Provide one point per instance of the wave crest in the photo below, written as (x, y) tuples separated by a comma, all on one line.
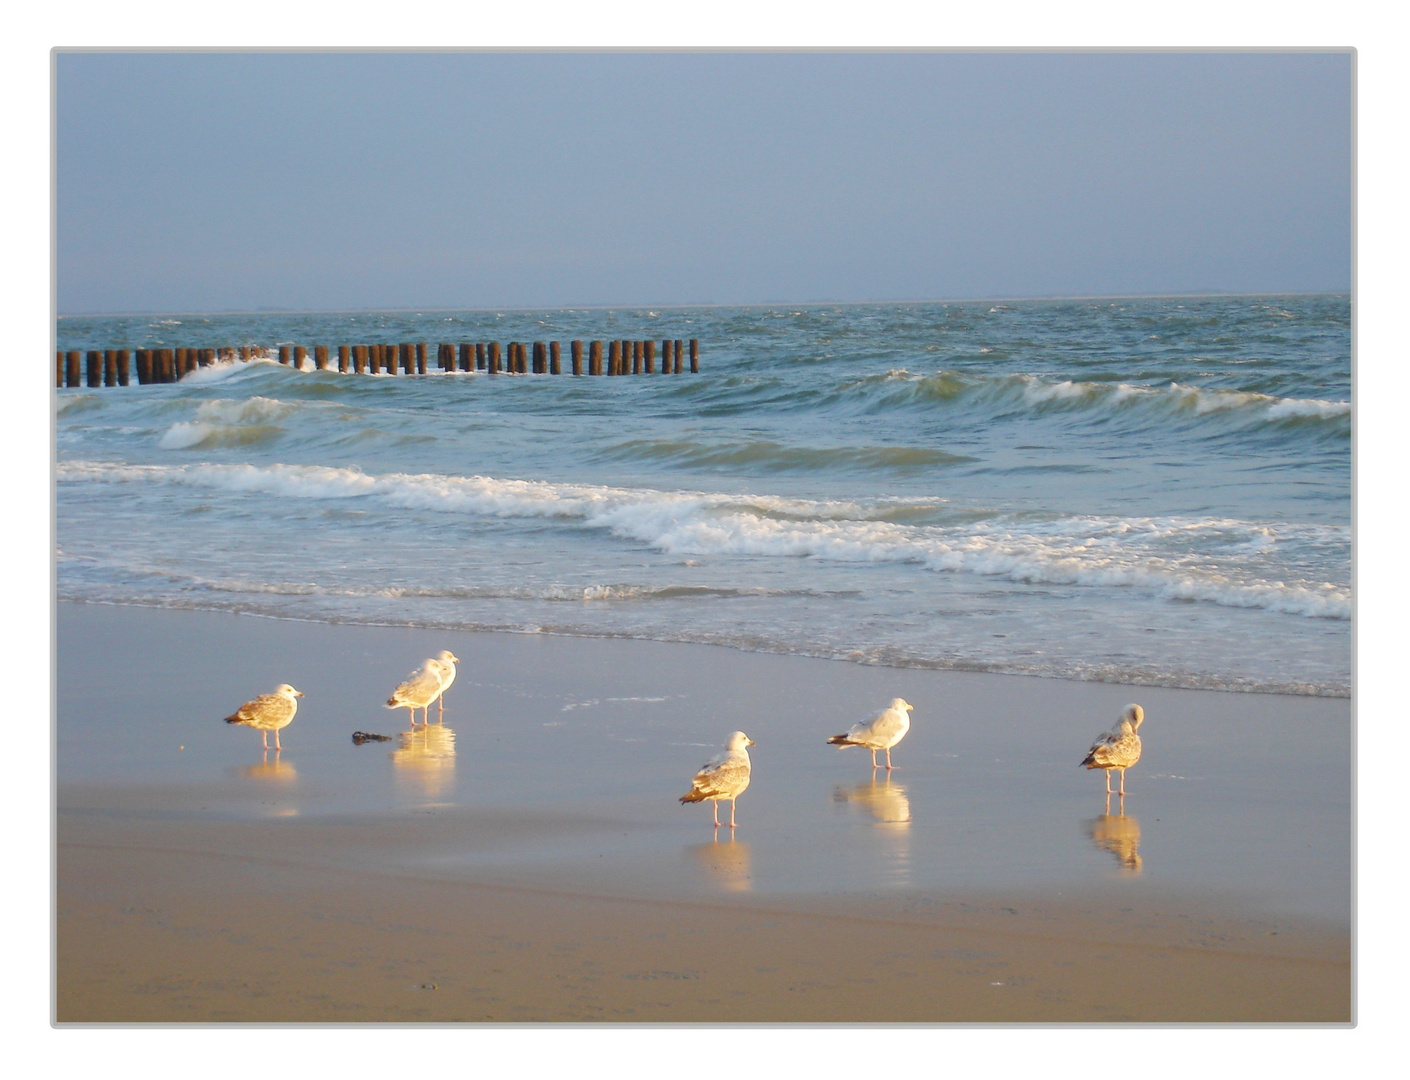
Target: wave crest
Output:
[(1034, 394), (1215, 560)]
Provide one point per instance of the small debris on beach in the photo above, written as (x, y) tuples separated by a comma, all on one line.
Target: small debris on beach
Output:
[(360, 737)]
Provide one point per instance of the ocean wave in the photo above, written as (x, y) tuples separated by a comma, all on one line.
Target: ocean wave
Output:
[(620, 592), (768, 456), (1024, 394), (223, 422), (1222, 561), (227, 370)]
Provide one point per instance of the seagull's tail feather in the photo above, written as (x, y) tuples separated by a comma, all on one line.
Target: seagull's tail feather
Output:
[(1090, 761), (693, 796), (842, 740)]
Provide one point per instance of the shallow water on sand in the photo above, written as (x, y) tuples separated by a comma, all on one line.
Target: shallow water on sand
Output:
[(559, 762)]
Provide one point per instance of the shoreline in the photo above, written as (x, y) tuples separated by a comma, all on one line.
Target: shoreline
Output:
[(200, 881), (975, 668)]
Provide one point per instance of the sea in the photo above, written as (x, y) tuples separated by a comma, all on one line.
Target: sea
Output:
[(1150, 491)]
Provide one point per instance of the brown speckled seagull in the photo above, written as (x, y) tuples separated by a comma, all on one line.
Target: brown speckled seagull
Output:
[(268, 712), (419, 689), (723, 777), (1119, 748)]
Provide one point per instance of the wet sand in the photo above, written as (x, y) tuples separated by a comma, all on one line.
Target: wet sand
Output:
[(526, 860)]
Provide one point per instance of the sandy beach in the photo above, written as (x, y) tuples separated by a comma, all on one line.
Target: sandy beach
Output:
[(526, 859)]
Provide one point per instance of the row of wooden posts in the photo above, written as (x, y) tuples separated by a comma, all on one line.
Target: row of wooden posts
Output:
[(109, 367)]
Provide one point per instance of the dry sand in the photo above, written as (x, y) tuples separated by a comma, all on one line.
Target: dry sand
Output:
[(499, 880)]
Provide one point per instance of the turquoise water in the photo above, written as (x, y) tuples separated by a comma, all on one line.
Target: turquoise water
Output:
[(1152, 491)]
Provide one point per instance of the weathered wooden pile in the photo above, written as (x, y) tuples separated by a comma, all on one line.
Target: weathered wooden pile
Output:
[(110, 367)]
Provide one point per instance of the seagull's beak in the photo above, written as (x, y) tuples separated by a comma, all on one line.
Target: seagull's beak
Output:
[(910, 708), (748, 742), (298, 693)]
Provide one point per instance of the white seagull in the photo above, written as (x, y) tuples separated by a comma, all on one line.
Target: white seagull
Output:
[(445, 663), (723, 777), (880, 732), (268, 712), (1119, 748)]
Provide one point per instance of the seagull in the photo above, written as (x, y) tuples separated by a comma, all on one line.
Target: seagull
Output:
[(445, 663), (724, 776), (268, 712), (420, 688), (880, 732), (1119, 748)]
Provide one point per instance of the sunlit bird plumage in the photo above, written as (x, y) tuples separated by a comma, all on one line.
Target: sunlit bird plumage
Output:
[(268, 712), (1119, 748), (879, 732), (425, 685), (724, 776)]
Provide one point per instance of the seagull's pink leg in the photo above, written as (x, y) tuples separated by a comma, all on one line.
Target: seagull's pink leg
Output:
[(1123, 783), (731, 813), (715, 805), (1107, 774), (264, 736), (873, 757), (889, 766), (277, 744)]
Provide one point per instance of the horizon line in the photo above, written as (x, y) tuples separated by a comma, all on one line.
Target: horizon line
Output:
[(1204, 294)]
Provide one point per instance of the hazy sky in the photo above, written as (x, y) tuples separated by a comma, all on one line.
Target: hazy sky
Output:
[(200, 182)]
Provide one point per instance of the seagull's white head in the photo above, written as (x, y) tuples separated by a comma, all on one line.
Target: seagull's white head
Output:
[(448, 657), (738, 741), (1133, 715), (285, 690), (900, 704)]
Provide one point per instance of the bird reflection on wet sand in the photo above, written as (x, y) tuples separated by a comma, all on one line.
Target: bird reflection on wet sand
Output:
[(886, 801), (725, 861), (277, 770), (425, 759), (1118, 834)]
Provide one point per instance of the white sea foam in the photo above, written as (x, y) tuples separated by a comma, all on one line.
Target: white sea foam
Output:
[(1040, 393), (1170, 557), (185, 435)]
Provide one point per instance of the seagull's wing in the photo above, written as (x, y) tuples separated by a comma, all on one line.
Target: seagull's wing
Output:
[(888, 724), (723, 776), (866, 726), (425, 682), (265, 709), (269, 705)]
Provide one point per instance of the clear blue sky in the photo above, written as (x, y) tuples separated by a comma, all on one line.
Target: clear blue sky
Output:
[(206, 182)]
